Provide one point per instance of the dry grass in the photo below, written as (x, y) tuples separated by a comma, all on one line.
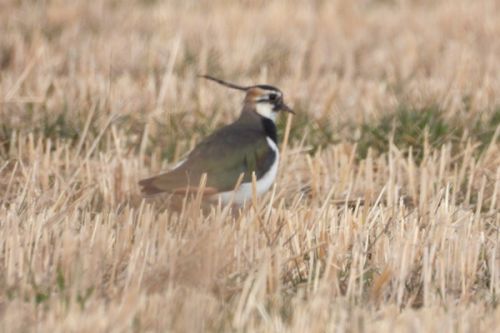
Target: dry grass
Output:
[(97, 94)]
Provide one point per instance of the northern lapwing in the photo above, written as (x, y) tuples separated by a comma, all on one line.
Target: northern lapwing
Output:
[(248, 145)]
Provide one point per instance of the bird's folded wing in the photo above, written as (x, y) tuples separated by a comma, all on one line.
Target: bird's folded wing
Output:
[(223, 157)]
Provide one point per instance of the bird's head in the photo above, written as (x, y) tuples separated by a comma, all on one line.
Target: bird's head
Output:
[(266, 100)]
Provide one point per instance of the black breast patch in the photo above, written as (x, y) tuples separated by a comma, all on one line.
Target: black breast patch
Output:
[(270, 129)]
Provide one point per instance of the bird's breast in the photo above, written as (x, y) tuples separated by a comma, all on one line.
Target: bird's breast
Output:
[(263, 184)]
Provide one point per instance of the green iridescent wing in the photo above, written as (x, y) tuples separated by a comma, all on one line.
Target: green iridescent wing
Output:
[(223, 156)]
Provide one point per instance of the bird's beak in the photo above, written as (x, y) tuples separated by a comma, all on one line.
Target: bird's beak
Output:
[(286, 108)]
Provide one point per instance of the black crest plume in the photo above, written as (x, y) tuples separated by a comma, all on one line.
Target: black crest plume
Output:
[(226, 84)]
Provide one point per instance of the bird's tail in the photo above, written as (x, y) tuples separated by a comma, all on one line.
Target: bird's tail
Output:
[(173, 183), (148, 186)]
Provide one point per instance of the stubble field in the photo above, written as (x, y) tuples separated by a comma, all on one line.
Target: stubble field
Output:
[(385, 213)]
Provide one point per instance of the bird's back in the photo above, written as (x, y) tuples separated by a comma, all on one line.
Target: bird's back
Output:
[(224, 155)]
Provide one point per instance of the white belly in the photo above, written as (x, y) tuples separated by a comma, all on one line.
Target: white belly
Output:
[(244, 192)]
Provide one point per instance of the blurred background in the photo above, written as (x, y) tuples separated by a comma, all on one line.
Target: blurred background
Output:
[(353, 70), (385, 215)]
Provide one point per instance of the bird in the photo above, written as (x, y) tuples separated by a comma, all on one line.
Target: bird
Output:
[(231, 154)]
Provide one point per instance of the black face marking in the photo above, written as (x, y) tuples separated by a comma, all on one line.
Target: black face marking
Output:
[(269, 98), (277, 106), (270, 129)]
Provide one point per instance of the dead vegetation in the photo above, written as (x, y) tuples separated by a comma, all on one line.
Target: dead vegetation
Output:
[(385, 212)]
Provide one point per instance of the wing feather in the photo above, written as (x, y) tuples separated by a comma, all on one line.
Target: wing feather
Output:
[(223, 156)]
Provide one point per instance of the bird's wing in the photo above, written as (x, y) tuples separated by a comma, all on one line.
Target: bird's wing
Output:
[(223, 156)]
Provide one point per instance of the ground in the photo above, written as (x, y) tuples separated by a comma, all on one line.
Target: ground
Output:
[(385, 212)]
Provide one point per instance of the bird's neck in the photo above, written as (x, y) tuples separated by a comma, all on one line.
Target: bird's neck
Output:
[(249, 116), (270, 129)]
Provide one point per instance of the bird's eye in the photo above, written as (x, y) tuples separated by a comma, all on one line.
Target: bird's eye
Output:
[(272, 97)]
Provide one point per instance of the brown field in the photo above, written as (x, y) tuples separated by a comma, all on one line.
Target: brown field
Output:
[(385, 214)]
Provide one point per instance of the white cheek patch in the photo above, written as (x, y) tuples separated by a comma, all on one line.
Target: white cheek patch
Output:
[(266, 110)]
